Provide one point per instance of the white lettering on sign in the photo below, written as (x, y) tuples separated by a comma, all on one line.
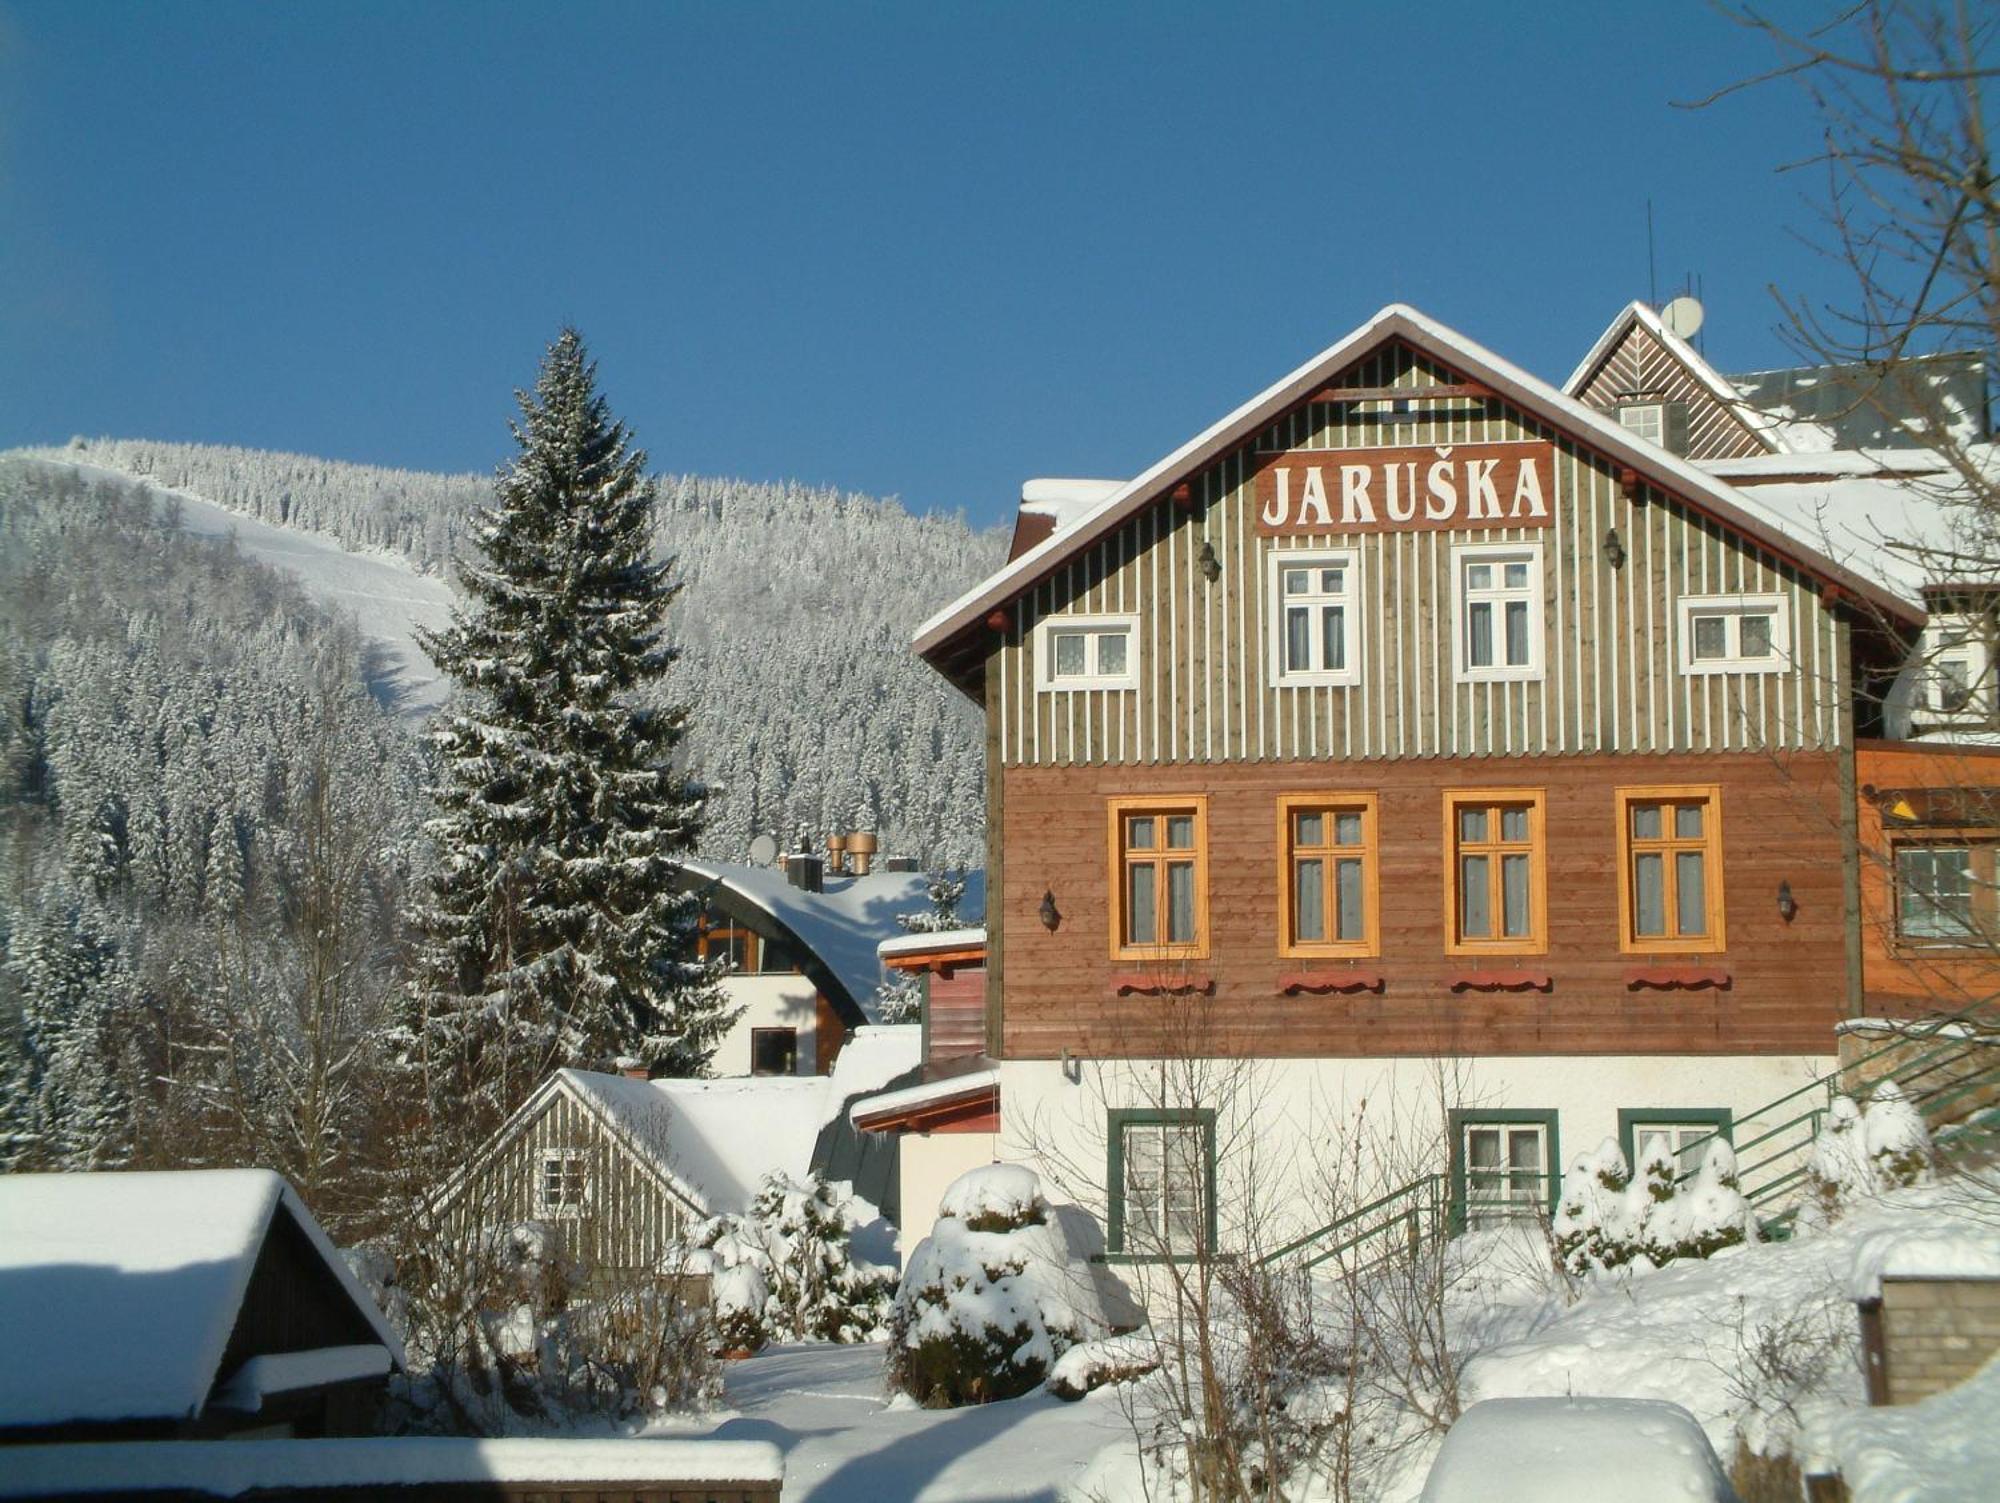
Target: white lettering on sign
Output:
[(1448, 485)]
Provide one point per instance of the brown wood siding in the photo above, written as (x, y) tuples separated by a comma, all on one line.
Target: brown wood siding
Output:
[(1639, 363), (1904, 980), (1780, 822), (956, 1020), (293, 1302), (1611, 678), (632, 1215)]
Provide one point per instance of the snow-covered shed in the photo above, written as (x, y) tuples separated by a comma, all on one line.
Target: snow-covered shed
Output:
[(802, 943), (183, 1304), (622, 1168)]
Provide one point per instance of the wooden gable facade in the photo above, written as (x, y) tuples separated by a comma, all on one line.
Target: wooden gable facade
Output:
[(1627, 543), (1639, 363)]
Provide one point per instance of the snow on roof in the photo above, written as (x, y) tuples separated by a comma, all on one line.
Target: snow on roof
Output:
[(1567, 1450), (287, 1372), (843, 924), (717, 1139), (1962, 1254), (1399, 321), (1066, 500), (948, 1089), (118, 1291), (225, 1468), (1943, 1449), (936, 939)]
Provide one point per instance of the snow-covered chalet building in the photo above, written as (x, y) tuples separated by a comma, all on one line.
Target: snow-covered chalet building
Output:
[(1421, 741)]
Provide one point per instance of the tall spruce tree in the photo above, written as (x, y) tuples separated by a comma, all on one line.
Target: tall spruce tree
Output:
[(552, 933)]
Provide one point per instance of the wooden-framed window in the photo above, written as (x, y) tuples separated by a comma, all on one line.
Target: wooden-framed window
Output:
[(1161, 1176), (1683, 1133), (1315, 618), (1497, 606), (1496, 882), (1159, 878), (1735, 634), (562, 1184), (1327, 898), (1502, 1164), (774, 1051), (1670, 869), (1087, 652), (1944, 892), (736, 943)]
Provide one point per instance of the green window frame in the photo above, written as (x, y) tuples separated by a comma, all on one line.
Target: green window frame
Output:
[(1117, 1121), (1718, 1119), (1543, 1117)]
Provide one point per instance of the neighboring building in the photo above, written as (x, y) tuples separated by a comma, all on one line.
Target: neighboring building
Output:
[(182, 1305), (621, 1169), (1420, 738), (801, 941)]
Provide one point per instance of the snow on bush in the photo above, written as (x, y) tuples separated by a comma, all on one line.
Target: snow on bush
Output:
[(1606, 1219), (989, 1299), (1090, 1365), (1590, 1221), (784, 1270), (1856, 1155), (1899, 1145)]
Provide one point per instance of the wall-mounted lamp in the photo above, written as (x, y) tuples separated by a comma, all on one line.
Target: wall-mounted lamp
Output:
[(1614, 549), (1788, 906), (1211, 566), (1051, 919)]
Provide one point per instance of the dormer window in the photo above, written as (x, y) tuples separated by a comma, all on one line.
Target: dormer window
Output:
[(1656, 421), (1957, 664), (1087, 652)]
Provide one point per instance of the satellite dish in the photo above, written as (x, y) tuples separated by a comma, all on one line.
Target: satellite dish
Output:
[(1682, 317), (763, 851)]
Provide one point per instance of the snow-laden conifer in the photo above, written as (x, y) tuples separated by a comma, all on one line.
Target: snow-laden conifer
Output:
[(553, 935)]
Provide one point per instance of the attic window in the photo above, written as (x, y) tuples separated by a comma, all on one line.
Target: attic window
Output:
[(1658, 422), (1087, 652), (561, 1186), (1735, 634), (1957, 665)]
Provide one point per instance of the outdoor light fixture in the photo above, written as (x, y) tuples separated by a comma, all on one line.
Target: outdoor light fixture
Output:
[(1211, 566), (1614, 549), (1050, 918), (1788, 906)]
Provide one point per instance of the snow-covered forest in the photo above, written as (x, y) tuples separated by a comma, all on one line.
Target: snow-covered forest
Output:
[(795, 622)]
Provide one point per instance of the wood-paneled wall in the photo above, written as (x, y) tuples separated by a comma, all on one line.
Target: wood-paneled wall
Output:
[(1612, 681), (1781, 821), (1640, 363), (955, 1015)]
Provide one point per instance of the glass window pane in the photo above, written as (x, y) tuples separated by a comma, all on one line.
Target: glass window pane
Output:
[(1333, 636), (1951, 681), (1309, 900), (1649, 894), (1482, 1147), (1348, 900), (1479, 576), (1309, 829), (1472, 824), (1690, 892), (1333, 581), (1516, 576), (1479, 635), (1711, 637), (1475, 919), (1180, 903), (1111, 652), (1514, 890), (1755, 636), (1069, 654), (1142, 918), (1514, 824), (1139, 832), (1935, 885), (1687, 821), (1298, 581), (1347, 828), (1646, 821), (1180, 832), (1649, 1141), (1517, 633), (1298, 639)]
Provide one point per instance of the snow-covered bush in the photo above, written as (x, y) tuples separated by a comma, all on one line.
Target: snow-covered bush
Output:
[(1090, 1365), (808, 1285), (1590, 1224), (1607, 1219), (1858, 1154), (1898, 1143), (1716, 1213), (987, 1303), (1661, 1222)]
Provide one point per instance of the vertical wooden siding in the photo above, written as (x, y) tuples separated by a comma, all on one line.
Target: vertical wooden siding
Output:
[(1640, 363), (1611, 679)]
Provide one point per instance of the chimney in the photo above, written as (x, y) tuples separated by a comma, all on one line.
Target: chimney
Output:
[(632, 1069), (860, 851), (803, 872), (836, 854)]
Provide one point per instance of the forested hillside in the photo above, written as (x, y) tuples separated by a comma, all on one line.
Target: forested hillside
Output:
[(810, 711)]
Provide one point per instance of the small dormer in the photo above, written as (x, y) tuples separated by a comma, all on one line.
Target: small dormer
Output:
[(1954, 673), (1655, 418)]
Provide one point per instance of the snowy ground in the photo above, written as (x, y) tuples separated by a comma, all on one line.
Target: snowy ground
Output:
[(826, 1408)]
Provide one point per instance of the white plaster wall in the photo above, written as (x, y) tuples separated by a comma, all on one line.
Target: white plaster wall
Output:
[(930, 1162), (768, 1002), (1286, 1129)]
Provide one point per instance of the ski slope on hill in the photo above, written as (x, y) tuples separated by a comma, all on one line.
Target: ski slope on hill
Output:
[(386, 596)]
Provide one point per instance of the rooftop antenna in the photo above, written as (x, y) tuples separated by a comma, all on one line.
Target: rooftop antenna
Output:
[(1652, 272)]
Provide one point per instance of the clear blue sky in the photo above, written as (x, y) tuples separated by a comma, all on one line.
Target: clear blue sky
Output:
[(915, 249)]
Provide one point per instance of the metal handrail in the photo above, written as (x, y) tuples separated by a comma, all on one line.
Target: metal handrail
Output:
[(1414, 1187)]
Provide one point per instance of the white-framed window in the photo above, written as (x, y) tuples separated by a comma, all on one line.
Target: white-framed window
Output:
[(561, 1184), (1958, 667), (1087, 652), (1503, 1164), (1315, 618), (1497, 606), (1735, 634), (1647, 420)]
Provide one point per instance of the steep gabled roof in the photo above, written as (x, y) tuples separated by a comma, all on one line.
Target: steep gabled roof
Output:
[(947, 639)]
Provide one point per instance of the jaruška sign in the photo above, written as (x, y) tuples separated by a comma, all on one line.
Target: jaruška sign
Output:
[(1398, 490)]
